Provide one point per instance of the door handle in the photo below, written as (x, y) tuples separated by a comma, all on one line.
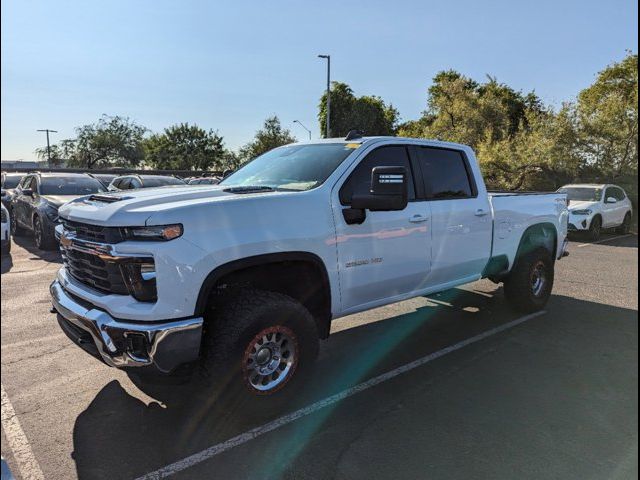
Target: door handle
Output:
[(418, 219), (481, 213)]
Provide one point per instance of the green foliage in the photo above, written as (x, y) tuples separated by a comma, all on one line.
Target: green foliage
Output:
[(270, 136), (608, 116), (369, 114), (522, 144), (185, 147)]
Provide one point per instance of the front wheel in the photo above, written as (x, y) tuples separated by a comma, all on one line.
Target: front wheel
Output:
[(257, 342), (44, 240), (594, 229), (528, 286)]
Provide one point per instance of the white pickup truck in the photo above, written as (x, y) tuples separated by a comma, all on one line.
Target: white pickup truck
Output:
[(242, 279)]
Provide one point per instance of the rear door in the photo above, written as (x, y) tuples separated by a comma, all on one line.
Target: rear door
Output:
[(612, 213), (461, 226), (389, 253)]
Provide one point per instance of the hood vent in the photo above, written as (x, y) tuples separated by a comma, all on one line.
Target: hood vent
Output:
[(107, 198)]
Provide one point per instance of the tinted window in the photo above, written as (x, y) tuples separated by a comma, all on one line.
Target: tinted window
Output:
[(70, 186), (11, 181), (582, 194), (25, 182), (445, 173), (359, 181), (160, 181), (619, 194)]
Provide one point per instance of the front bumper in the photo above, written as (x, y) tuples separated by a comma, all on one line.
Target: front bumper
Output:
[(579, 222), (160, 346)]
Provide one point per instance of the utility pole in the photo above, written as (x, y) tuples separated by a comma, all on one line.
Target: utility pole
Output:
[(48, 146), (300, 123), (328, 57)]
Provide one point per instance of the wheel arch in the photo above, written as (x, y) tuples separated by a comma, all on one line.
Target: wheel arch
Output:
[(538, 235), (301, 275)]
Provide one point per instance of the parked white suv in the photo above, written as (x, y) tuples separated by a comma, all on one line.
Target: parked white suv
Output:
[(243, 278), (593, 207)]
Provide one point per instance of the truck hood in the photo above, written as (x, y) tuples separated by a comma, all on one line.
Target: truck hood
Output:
[(132, 208), (581, 205)]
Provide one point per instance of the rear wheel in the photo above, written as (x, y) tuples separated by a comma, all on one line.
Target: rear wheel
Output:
[(257, 343), (528, 287), (595, 229), (625, 228)]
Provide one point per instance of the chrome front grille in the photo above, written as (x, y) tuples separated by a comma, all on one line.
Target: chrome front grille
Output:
[(94, 271), (93, 233)]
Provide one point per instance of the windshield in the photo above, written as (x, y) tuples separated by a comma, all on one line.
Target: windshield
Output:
[(70, 186), (11, 181), (161, 181), (295, 167), (582, 194)]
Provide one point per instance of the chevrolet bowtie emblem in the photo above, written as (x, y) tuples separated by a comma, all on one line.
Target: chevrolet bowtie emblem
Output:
[(65, 241)]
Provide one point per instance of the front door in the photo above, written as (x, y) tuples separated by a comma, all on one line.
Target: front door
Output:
[(389, 253)]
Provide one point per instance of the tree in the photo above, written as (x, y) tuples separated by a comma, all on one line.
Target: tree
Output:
[(608, 119), (462, 110), (270, 136), (369, 114), (185, 147), (59, 152), (110, 142)]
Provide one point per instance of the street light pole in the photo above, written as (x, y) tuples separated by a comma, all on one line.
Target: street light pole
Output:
[(48, 146), (300, 123), (328, 57)]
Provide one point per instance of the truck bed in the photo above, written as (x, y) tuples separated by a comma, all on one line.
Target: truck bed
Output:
[(514, 212)]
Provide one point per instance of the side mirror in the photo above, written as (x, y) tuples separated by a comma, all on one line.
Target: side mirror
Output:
[(28, 192), (611, 200), (388, 192)]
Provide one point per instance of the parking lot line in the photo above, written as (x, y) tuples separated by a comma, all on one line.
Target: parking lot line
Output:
[(18, 442), (214, 450), (605, 240)]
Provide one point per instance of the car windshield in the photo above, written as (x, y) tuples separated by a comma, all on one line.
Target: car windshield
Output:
[(161, 181), (294, 167), (11, 181), (582, 194), (70, 186)]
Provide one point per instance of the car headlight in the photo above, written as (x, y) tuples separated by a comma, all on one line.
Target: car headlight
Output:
[(159, 232), (51, 212), (586, 211)]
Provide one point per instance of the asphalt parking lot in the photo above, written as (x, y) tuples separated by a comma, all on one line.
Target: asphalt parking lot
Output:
[(490, 394)]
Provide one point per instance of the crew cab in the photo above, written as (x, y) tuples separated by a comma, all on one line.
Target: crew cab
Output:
[(593, 207), (240, 280)]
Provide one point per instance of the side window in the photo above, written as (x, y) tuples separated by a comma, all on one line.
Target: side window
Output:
[(125, 183), (359, 182), (135, 183), (33, 184), (619, 194), (25, 182), (610, 192), (445, 174)]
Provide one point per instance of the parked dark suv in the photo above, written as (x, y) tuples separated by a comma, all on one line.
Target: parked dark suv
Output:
[(37, 198), (129, 182)]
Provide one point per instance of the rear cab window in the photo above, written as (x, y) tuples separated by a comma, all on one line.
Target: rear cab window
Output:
[(446, 174)]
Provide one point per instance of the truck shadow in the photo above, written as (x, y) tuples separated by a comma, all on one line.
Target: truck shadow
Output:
[(121, 436)]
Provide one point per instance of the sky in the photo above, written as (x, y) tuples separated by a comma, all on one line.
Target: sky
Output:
[(227, 65)]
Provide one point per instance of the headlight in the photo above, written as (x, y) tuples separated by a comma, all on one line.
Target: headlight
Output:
[(51, 212), (586, 211), (160, 232)]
